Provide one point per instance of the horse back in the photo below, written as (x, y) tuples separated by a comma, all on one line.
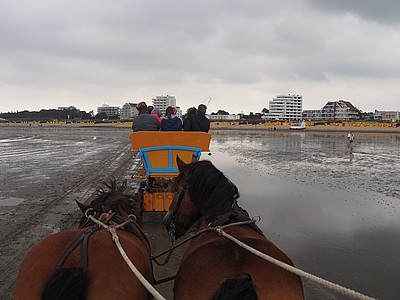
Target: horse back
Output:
[(212, 260), (108, 275)]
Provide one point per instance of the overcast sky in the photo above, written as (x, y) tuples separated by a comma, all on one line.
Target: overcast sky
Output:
[(231, 55)]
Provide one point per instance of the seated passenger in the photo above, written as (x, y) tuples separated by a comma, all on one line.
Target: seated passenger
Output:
[(143, 121), (171, 122), (198, 121), (190, 112), (156, 112)]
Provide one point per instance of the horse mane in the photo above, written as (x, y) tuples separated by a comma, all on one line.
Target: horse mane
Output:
[(66, 283), (236, 287), (112, 197), (211, 192)]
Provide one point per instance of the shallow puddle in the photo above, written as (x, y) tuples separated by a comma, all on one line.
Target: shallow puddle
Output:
[(10, 201)]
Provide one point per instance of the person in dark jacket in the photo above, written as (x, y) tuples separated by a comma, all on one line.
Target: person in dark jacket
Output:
[(171, 122), (197, 121), (144, 122), (189, 114)]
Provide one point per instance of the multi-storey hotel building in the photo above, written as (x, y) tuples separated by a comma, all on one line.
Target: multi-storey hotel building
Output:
[(286, 108), (162, 102)]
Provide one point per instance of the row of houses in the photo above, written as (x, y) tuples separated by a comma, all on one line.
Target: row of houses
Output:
[(281, 108), (129, 111), (290, 108)]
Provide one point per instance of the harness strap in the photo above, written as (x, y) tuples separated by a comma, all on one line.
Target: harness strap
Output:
[(133, 227), (240, 215), (84, 237)]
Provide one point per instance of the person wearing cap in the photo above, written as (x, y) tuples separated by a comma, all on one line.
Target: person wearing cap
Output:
[(143, 121), (197, 121)]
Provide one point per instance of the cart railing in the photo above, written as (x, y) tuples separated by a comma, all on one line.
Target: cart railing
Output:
[(158, 149)]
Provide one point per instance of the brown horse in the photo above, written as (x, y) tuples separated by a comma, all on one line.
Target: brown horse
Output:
[(213, 267), (85, 263)]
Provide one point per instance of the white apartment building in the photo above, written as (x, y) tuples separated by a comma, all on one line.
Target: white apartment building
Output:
[(223, 117), (128, 111), (312, 115), (110, 111), (285, 108), (162, 102)]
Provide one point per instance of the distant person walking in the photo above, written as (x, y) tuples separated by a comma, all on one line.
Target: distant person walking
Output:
[(144, 122), (171, 122), (197, 121), (350, 138)]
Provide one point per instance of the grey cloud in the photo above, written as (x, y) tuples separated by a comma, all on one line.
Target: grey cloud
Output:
[(153, 45), (384, 11)]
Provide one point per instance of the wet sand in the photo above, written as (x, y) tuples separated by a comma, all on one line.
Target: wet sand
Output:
[(335, 215), (44, 170)]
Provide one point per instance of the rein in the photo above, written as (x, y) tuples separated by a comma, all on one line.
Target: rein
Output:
[(113, 231), (198, 233), (344, 291), (220, 231)]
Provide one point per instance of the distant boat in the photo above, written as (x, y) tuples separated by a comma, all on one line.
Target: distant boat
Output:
[(298, 126)]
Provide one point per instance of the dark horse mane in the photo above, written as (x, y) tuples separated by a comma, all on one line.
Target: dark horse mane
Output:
[(210, 190), (112, 198)]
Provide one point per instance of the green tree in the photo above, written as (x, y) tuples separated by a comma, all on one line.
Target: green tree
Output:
[(101, 116)]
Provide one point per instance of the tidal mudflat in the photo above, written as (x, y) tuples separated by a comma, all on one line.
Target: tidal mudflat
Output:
[(335, 213)]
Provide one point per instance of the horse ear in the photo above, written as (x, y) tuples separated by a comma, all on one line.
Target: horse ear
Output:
[(194, 159), (181, 164), (82, 206)]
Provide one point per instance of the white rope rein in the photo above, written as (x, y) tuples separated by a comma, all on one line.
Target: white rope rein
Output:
[(326, 283), (113, 231)]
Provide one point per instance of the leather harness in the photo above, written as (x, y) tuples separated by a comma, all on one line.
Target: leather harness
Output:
[(84, 238)]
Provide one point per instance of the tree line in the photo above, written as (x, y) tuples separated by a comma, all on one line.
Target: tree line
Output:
[(48, 115), (76, 114)]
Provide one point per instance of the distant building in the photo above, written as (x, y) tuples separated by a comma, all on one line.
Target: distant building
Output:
[(339, 110), (162, 102), (67, 108), (312, 115), (178, 112), (128, 111), (377, 115), (390, 116), (333, 111), (285, 108), (223, 117), (110, 111)]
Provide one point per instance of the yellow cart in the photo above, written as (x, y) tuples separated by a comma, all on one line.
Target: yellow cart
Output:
[(158, 151)]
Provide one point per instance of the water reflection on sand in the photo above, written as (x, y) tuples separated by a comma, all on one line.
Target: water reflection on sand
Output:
[(335, 213)]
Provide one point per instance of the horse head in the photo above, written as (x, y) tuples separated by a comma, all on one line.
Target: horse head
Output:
[(111, 199), (201, 191), (181, 212)]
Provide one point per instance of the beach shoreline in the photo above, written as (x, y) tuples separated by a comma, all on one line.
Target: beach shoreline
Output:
[(215, 127)]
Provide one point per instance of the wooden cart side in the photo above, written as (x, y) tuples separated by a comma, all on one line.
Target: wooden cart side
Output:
[(146, 139)]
